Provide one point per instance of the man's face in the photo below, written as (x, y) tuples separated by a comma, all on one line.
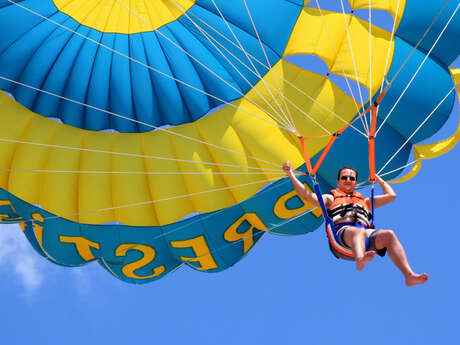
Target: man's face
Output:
[(347, 181)]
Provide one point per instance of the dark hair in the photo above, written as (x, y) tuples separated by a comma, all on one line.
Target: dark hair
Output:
[(351, 168)]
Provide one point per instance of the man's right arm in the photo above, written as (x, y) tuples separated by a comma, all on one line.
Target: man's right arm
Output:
[(301, 190)]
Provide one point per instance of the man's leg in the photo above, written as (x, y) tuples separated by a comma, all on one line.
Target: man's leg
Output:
[(355, 238), (388, 239)]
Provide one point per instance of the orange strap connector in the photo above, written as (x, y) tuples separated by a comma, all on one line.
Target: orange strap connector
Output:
[(371, 140)]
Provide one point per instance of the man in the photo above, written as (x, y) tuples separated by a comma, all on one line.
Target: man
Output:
[(351, 225)]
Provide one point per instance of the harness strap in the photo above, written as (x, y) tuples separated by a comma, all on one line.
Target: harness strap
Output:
[(330, 227)]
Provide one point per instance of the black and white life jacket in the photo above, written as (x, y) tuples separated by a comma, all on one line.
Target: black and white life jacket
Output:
[(346, 206)]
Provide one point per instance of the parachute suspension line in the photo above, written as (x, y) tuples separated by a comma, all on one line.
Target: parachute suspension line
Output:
[(418, 128), (393, 30), (143, 203), (285, 121), (416, 46), (265, 54), (205, 66), (149, 125), (353, 56), (135, 155), (281, 77), (402, 167), (250, 58), (254, 69), (418, 69), (137, 62), (322, 106), (341, 65)]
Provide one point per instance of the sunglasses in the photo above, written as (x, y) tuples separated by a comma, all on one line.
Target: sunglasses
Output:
[(351, 178)]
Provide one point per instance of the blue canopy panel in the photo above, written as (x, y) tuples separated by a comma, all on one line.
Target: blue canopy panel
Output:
[(416, 20), (161, 84)]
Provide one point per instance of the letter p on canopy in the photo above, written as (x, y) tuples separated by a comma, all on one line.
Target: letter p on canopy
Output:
[(232, 234)]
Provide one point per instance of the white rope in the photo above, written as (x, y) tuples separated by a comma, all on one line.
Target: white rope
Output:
[(286, 121), (282, 77), (339, 60), (324, 107), (279, 91), (352, 56), (146, 124), (291, 121), (137, 61), (263, 48), (418, 69), (401, 167), (275, 73), (415, 132), (393, 31), (202, 64)]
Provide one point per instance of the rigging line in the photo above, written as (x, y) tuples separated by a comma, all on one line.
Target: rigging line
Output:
[(200, 63), (300, 109), (418, 43), (251, 62), (418, 70), (272, 71), (140, 172), (367, 183), (143, 203), (402, 167), (415, 132), (262, 46), (341, 64), (149, 125), (276, 73), (286, 98), (131, 154), (206, 35), (353, 55), (393, 31), (139, 62), (323, 106)]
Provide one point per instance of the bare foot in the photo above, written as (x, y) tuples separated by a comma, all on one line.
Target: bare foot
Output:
[(368, 256), (416, 279)]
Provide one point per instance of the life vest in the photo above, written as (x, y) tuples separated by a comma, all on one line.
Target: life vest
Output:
[(348, 206)]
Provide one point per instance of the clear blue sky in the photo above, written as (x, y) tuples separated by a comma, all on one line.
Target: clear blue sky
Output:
[(287, 290)]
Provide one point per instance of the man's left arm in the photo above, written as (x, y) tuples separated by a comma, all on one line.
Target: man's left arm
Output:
[(388, 193)]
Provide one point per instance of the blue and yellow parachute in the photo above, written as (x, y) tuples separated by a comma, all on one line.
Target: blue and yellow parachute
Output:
[(144, 135)]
